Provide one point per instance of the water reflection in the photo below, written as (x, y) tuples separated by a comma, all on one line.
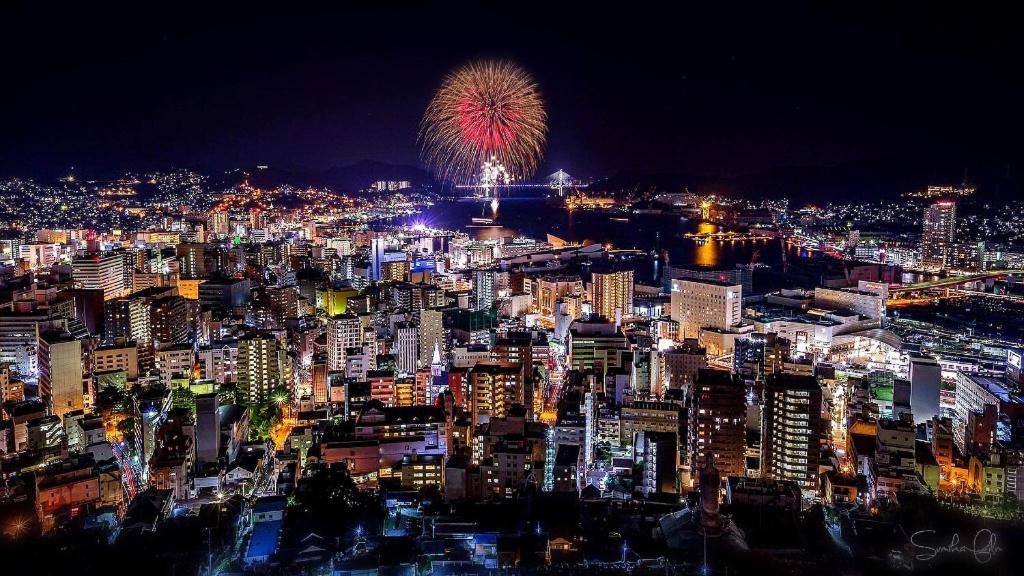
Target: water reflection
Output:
[(706, 252)]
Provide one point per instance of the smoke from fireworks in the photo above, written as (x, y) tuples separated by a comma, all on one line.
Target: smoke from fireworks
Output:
[(484, 111)]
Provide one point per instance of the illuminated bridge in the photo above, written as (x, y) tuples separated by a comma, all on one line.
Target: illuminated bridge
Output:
[(951, 281)]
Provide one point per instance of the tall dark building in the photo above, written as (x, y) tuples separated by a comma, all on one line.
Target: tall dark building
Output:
[(791, 429), (718, 422)]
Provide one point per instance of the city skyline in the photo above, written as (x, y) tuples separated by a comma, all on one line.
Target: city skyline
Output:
[(467, 289)]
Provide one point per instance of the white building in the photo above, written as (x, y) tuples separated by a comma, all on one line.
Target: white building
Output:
[(697, 304), (101, 271), (343, 332)]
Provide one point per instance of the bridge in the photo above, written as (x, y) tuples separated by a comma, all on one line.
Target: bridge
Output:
[(558, 182), (951, 281)]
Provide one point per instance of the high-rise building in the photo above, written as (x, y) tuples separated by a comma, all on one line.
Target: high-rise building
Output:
[(485, 289), (612, 294), (407, 347), (101, 272), (60, 371), (717, 422), (343, 332), (938, 234), (791, 429), (697, 304), (261, 363), (18, 338), (493, 389)]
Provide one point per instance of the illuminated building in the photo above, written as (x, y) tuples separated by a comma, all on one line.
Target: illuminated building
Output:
[(18, 333), (597, 345), (121, 356), (682, 364), (60, 371), (219, 361), (493, 389), (261, 366), (485, 289), (101, 272), (705, 304), (612, 294), (717, 422), (938, 234), (419, 470), (407, 342), (791, 429), (343, 332), (645, 416)]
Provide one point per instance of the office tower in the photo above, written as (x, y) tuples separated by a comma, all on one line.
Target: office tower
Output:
[(343, 332), (60, 371), (100, 272), (717, 422), (485, 289), (791, 429), (431, 334), (938, 234), (207, 428), (260, 366), (705, 304), (612, 294), (407, 347)]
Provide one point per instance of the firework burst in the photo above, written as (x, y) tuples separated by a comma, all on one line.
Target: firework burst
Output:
[(487, 111)]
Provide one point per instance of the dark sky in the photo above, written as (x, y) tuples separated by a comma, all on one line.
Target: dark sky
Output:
[(628, 87)]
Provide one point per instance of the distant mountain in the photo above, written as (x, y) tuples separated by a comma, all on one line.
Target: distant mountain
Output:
[(871, 181), (348, 178), (855, 181)]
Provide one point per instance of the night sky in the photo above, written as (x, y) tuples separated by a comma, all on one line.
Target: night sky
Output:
[(724, 94)]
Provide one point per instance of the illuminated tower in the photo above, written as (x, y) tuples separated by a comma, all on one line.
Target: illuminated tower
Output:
[(938, 233), (612, 294)]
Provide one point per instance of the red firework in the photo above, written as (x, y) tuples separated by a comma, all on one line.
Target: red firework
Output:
[(483, 111)]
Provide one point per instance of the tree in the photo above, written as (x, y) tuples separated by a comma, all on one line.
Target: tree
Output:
[(184, 398)]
